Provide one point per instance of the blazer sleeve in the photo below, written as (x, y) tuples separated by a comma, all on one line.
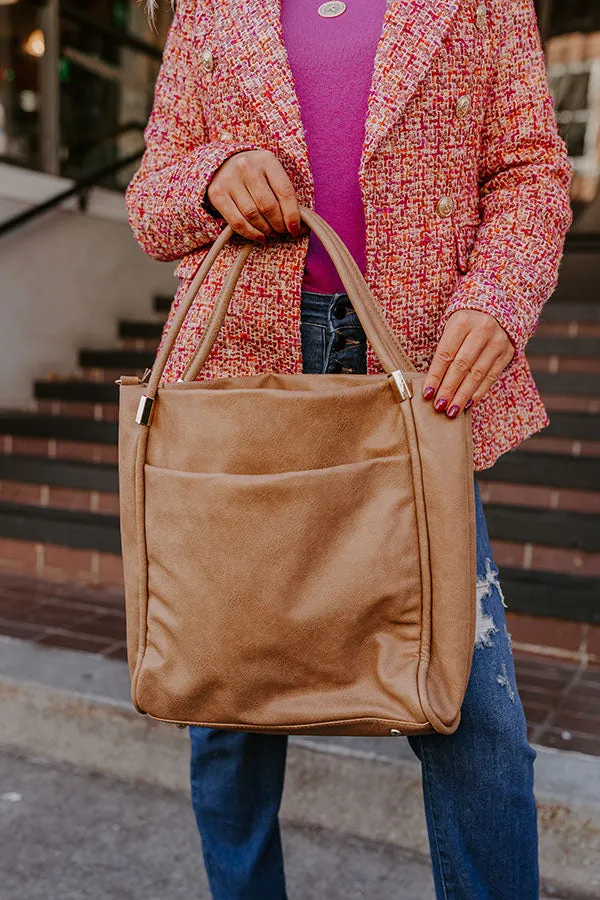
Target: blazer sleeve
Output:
[(165, 197), (524, 181)]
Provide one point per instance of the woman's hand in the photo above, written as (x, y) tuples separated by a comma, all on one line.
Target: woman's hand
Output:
[(254, 195), (471, 354)]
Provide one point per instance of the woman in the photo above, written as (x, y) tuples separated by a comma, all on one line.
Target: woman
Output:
[(423, 131)]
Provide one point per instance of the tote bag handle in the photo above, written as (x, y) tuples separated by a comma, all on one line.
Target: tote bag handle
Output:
[(381, 337)]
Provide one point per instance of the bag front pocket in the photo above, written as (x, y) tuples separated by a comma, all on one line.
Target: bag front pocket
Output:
[(273, 597)]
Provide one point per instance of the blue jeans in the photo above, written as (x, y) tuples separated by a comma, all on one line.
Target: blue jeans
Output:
[(477, 782)]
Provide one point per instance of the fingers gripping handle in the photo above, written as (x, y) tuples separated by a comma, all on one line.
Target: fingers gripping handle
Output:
[(379, 334)]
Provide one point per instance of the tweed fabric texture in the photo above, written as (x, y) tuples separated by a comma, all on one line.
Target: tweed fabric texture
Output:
[(493, 245)]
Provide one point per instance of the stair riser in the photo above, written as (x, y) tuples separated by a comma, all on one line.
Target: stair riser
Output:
[(108, 375), (555, 364), (59, 497), (542, 444), (139, 344), (59, 449), (58, 563), (570, 403), (546, 559), (568, 329), (576, 642), (539, 496), (100, 412)]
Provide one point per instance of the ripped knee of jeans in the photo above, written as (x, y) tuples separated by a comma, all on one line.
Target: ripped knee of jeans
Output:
[(485, 626)]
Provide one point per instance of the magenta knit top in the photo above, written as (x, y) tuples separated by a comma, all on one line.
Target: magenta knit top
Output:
[(332, 64)]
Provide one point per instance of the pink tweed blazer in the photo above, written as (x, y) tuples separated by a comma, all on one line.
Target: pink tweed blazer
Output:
[(464, 178)]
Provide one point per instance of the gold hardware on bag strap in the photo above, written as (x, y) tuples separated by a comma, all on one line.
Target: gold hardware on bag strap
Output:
[(401, 385), (144, 411)]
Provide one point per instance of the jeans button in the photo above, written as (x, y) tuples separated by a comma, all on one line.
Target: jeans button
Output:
[(340, 309), (339, 342)]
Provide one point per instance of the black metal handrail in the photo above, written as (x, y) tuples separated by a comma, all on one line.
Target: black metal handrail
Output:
[(93, 138), (78, 189), (118, 37)]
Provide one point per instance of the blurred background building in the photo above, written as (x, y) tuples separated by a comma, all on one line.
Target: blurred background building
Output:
[(76, 82), (81, 305)]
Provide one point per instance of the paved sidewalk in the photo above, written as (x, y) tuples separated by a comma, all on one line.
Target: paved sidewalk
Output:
[(69, 835), (562, 702), (66, 834)]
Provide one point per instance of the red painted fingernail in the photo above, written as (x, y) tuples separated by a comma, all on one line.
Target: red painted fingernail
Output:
[(468, 404), (428, 392), (453, 411), (294, 229), (440, 405)]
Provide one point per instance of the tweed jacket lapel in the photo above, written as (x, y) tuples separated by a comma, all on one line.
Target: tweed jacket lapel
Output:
[(253, 35), (412, 33)]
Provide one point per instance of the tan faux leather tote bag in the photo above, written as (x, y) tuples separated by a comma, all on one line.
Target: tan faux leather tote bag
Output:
[(299, 550)]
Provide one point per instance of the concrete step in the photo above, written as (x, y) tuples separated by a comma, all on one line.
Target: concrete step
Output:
[(74, 709)]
